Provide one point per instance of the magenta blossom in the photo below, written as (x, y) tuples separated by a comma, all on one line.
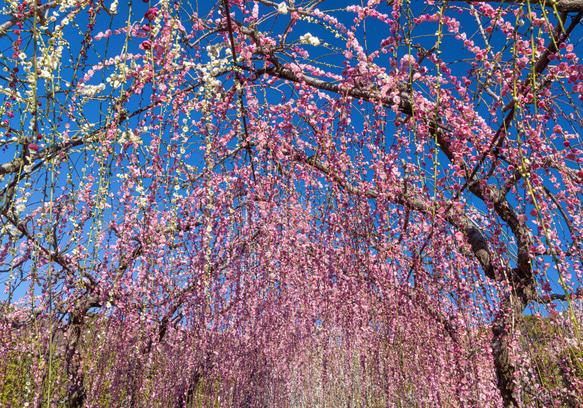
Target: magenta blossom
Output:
[(33, 146), (146, 45), (151, 14)]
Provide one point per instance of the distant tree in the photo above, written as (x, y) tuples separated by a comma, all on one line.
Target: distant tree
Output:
[(196, 201)]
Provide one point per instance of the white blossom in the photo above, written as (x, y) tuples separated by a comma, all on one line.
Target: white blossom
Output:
[(310, 39), (14, 232), (282, 8), (45, 74), (131, 136), (91, 90)]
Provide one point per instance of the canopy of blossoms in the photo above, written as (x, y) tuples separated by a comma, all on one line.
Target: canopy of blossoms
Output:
[(291, 204)]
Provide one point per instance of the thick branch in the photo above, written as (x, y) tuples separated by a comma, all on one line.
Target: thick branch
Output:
[(556, 296), (358, 93), (561, 5), (4, 27)]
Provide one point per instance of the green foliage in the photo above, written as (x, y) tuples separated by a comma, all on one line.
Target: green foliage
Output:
[(556, 375), (14, 378)]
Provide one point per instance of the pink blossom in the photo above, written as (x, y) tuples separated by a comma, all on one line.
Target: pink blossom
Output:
[(146, 45), (101, 35), (151, 14)]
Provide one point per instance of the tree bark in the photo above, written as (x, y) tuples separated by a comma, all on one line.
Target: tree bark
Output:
[(511, 309), (76, 388)]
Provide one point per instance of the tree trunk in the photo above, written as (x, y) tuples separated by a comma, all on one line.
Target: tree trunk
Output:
[(510, 312), (76, 388)]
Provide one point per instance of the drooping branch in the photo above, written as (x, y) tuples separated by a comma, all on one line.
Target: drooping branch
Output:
[(177, 300), (488, 193), (519, 278), (560, 35), (411, 199)]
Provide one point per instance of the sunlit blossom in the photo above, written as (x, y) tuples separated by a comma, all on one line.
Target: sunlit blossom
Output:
[(310, 39), (282, 8)]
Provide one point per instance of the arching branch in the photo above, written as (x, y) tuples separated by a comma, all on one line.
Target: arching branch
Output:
[(568, 6)]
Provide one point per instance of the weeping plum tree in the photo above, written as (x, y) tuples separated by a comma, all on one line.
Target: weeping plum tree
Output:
[(311, 203)]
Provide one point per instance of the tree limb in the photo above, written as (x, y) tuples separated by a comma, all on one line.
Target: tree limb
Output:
[(4, 27), (561, 5)]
